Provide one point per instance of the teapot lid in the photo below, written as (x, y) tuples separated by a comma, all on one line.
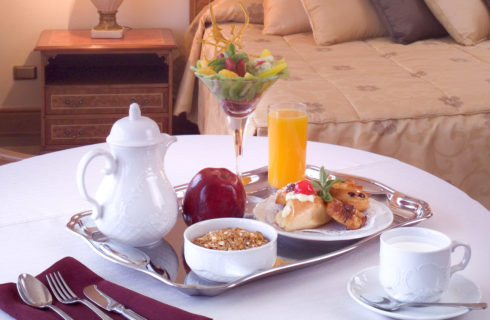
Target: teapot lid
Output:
[(135, 130)]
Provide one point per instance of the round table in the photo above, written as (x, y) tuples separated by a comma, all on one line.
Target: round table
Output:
[(39, 195)]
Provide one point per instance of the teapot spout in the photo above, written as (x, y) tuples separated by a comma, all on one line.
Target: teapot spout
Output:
[(168, 140)]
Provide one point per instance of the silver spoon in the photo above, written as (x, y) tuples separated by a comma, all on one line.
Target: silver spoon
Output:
[(386, 304), (34, 293)]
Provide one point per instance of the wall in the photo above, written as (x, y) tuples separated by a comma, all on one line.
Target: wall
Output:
[(23, 20)]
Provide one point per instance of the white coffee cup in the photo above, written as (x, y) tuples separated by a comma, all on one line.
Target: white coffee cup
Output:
[(415, 263)]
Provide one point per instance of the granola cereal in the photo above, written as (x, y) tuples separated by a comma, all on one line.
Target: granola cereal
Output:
[(231, 239)]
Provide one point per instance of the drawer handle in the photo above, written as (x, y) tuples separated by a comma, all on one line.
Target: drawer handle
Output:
[(80, 101), (81, 132), (132, 100), (67, 132), (146, 101), (67, 102)]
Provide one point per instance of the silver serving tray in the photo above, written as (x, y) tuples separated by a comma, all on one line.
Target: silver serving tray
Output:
[(164, 261)]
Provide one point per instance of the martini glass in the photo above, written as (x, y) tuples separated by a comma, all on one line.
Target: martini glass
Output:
[(238, 98)]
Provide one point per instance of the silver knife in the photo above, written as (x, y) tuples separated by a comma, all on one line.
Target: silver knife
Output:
[(109, 304)]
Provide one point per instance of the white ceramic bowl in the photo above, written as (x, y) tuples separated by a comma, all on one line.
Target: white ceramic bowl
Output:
[(227, 266)]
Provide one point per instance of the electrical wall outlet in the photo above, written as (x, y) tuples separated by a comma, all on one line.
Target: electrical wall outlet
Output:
[(25, 72)]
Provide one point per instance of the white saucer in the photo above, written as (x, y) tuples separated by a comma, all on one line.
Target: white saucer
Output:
[(460, 290)]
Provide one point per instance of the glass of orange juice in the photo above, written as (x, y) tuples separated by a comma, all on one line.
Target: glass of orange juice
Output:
[(287, 130)]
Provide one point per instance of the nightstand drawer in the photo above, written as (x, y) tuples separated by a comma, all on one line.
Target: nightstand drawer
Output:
[(100, 100), (81, 131)]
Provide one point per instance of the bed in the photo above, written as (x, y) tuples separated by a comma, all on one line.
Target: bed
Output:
[(426, 103)]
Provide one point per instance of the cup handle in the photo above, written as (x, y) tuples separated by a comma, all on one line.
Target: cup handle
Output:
[(110, 168), (464, 260)]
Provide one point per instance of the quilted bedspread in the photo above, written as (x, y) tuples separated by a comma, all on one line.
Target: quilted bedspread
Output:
[(427, 103)]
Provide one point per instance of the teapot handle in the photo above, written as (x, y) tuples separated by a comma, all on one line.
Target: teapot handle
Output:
[(110, 168)]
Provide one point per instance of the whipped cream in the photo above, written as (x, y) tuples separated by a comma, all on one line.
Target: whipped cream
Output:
[(299, 196), (286, 211)]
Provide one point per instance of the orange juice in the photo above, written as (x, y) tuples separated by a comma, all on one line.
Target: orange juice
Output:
[(287, 129)]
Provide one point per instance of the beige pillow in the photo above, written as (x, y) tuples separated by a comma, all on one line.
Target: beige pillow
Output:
[(335, 21), (283, 17), (468, 21)]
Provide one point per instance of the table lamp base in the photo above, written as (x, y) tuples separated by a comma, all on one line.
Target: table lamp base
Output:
[(113, 33)]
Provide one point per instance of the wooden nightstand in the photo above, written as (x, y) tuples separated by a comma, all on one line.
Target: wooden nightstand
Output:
[(90, 83)]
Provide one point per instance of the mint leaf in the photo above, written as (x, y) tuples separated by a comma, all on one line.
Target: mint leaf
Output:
[(231, 50), (327, 197), (323, 175), (316, 184), (332, 182), (324, 185)]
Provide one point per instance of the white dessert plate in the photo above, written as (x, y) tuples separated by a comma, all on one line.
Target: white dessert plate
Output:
[(379, 217), (366, 282)]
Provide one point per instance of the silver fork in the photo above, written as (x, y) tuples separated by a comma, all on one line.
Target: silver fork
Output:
[(65, 295)]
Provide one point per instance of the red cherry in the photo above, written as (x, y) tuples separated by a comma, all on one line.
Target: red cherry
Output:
[(304, 187), (230, 65), (220, 55)]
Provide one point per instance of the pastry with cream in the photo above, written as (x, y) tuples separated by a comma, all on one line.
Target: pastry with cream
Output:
[(311, 204), (281, 193), (302, 212)]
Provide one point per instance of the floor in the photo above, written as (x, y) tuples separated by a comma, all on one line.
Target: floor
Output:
[(31, 144)]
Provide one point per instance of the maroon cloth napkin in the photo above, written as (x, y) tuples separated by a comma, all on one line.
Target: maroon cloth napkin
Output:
[(78, 277)]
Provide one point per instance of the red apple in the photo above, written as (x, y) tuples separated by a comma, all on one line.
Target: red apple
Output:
[(213, 193)]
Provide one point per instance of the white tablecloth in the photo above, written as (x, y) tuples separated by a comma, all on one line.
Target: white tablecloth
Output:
[(39, 195)]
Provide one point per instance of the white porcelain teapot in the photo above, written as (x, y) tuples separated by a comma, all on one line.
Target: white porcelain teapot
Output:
[(134, 203)]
